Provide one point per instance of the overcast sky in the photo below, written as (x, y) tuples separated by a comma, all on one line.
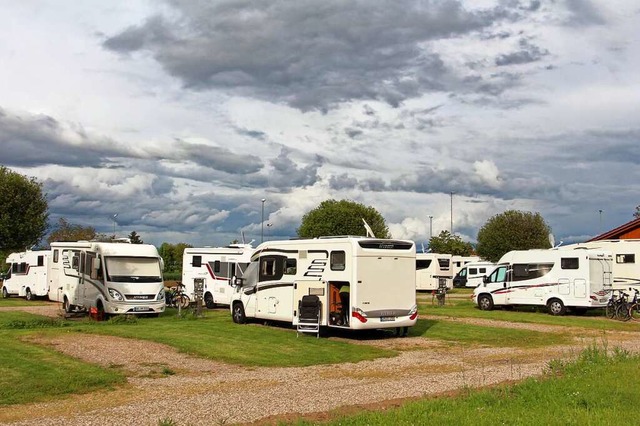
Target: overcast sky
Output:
[(181, 115)]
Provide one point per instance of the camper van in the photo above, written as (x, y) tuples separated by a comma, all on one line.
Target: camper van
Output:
[(558, 279), (626, 260), (458, 262), (216, 266), (472, 274), (358, 282), (112, 277), (433, 270), (27, 274)]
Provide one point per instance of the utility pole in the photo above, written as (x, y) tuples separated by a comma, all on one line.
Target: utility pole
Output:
[(430, 227), (452, 212), (262, 222)]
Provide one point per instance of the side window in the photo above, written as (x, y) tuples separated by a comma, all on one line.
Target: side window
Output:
[(499, 275), (14, 268), (74, 260), (422, 263), (529, 271), (271, 268), (196, 261), (625, 258), (290, 267), (40, 260), (444, 264), (338, 260), (55, 256), (216, 266), (473, 271), (463, 273), (483, 270), (569, 263)]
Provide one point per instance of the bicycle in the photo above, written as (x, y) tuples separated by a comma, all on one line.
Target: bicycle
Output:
[(622, 309), (614, 301), (175, 297), (634, 306)]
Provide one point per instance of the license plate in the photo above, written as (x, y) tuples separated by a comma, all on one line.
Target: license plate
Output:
[(140, 309), (604, 300), (385, 319)]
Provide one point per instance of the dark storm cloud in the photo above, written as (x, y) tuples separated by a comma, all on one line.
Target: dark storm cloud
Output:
[(527, 53), (286, 174), (584, 13), (215, 157), (308, 54)]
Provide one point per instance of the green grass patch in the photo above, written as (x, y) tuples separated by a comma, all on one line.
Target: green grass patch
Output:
[(472, 334), (589, 391), (465, 308), (19, 301), (32, 373), (216, 337)]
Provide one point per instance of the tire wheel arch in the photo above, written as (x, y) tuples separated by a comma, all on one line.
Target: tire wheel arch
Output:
[(485, 302), (208, 300), (556, 307), (238, 314), (28, 294)]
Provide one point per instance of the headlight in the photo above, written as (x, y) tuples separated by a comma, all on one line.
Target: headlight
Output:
[(116, 295), (160, 295)]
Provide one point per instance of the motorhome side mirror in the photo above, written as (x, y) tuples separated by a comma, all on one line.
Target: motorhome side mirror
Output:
[(237, 281), (96, 263), (485, 279)]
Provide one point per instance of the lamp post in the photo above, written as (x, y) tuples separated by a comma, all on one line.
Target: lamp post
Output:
[(114, 223), (430, 227), (269, 225), (452, 212), (262, 222), (600, 211)]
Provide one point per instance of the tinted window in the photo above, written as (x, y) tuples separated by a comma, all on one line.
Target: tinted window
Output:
[(473, 271), (271, 268), (55, 256), (444, 263), (625, 258), (196, 261), (423, 263), (338, 260), (569, 263), (216, 266), (499, 275), (483, 270), (290, 267), (529, 271), (40, 260)]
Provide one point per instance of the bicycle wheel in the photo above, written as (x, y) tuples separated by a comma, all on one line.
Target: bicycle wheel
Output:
[(183, 301), (634, 311), (622, 312), (611, 311)]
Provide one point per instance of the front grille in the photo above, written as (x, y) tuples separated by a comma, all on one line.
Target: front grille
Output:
[(139, 296)]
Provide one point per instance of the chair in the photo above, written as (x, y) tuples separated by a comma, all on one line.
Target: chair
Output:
[(309, 315)]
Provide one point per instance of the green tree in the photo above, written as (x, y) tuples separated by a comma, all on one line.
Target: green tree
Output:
[(342, 217), (135, 238), (172, 256), (23, 211), (66, 231), (451, 244), (637, 212), (512, 230)]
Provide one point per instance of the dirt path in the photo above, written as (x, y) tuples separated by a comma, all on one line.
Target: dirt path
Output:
[(206, 392)]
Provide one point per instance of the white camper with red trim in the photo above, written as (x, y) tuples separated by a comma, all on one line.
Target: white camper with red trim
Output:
[(27, 274), (358, 282), (433, 270), (216, 266), (558, 279)]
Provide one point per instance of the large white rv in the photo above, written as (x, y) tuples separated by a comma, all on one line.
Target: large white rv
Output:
[(114, 278), (626, 259), (216, 266), (27, 274), (360, 283), (554, 278), (472, 274), (433, 270), (458, 262)]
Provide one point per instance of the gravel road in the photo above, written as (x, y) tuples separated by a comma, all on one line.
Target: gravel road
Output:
[(204, 392)]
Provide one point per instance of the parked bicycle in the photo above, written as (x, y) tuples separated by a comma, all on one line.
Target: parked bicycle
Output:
[(175, 297), (633, 307)]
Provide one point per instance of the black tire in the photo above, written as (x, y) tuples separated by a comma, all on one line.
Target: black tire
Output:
[(485, 302), (5, 293), (102, 315), (68, 308), (238, 314), (622, 312), (28, 294), (555, 307), (208, 301), (610, 311), (634, 312)]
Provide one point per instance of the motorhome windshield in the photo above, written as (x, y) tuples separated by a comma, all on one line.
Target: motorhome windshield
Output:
[(250, 275), (133, 269)]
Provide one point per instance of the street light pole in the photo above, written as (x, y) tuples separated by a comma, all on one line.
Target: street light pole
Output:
[(452, 212), (114, 224), (430, 227), (262, 222), (600, 211)]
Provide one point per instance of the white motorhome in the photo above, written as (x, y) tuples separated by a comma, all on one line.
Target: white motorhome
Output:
[(360, 283), (113, 277), (432, 270), (626, 259), (458, 262), (472, 274), (558, 279), (216, 266), (27, 274)]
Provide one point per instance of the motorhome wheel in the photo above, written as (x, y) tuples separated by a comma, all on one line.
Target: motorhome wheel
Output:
[(238, 313), (556, 307), (208, 301), (66, 305), (485, 302), (5, 293), (29, 295)]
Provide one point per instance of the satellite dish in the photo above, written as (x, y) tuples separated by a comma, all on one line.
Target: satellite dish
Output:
[(552, 240)]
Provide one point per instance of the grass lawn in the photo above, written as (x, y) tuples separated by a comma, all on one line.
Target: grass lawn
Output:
[(587, 392), (465, 308), (19, 301), (32, 373)]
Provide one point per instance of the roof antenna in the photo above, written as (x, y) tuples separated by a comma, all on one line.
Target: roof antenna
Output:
[(368, 228)]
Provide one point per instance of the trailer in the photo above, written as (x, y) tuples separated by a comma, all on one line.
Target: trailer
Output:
[(458, 262), (626, 260), (472, 274), (216, 266), (558, 279), (433, 270), (111, 277), (356, 283), (27, 274)]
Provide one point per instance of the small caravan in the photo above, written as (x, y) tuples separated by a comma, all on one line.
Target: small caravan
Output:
[(472, 274), (112, 277), (27, 274), (216, 266), (357, 282), (558, 279), (626, 259), (458, 262), (433, 270)]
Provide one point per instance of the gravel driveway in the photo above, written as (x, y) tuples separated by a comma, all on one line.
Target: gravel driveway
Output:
[(209, 393)]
